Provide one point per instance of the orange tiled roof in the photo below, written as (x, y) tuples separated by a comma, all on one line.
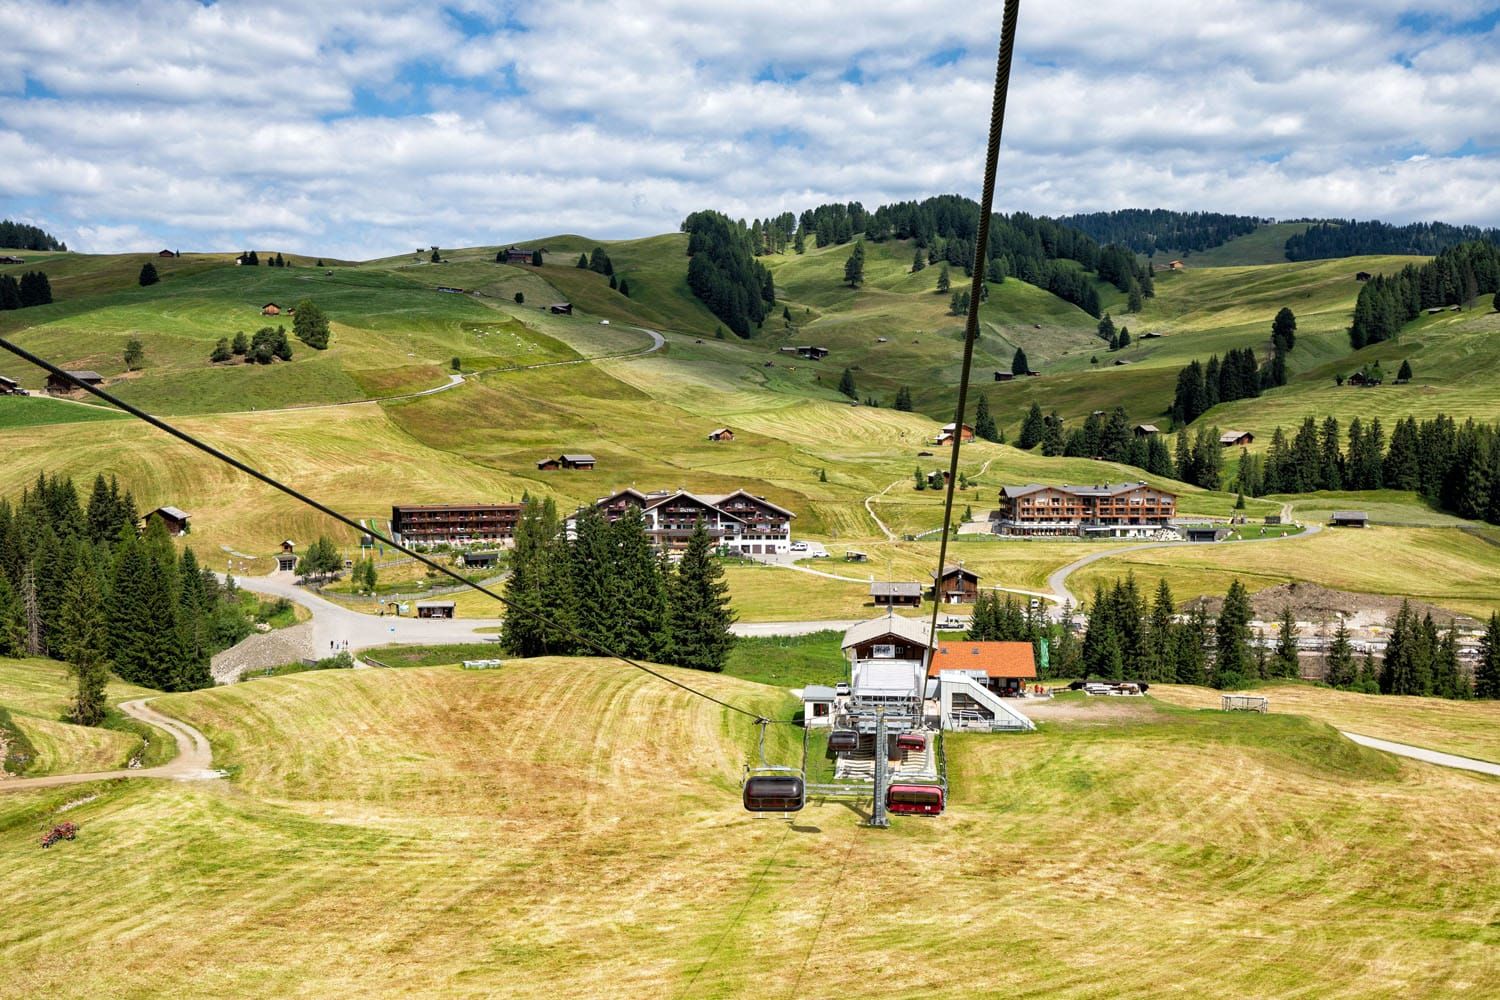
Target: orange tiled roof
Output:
[(996, 659)]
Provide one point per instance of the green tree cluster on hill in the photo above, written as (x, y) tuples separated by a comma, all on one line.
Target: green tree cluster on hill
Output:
[(1455, 277), (310, 325), (724, 274), (1129, 638), (80, 582), (1348, 238), (1420, 660), (268, 345), (1147, 230), (599, 262), (33, 289), (21, 236), (607, 583)]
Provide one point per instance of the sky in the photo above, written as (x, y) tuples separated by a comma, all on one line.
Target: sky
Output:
[(362, 130)]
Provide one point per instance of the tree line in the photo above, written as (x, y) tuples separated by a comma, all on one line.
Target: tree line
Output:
[(1110, 437), (606, 581), (33, 289), (724, 274), (80, 582), (21, 236), (1455, 277), (1347, 238), (1147, 230), (1453, 466), (1129, 636)]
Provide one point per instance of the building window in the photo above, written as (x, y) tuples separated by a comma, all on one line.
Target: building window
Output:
[(883, 652)]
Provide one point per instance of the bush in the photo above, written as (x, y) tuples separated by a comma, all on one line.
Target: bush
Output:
[(310, 325)]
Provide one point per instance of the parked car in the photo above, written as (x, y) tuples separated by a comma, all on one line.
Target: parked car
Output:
[(799, 546), (820, 554), (841, 689)]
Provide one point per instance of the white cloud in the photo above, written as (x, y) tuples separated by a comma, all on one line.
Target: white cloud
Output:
[(361, 130)]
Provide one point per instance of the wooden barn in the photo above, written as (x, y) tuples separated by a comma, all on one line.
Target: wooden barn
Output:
[(956, 586), (174, 518), (897, 594), (1349, 519), (561, 308), (722, 434), (9, 386), (1234, 439), (1004, 376), (270, 309), (59, 386)]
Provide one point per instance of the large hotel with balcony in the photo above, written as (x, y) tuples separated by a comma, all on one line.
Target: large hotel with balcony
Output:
[(1120, 510)]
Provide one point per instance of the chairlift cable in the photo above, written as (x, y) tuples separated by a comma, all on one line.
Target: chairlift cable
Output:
[(976, 287), (324, 509)]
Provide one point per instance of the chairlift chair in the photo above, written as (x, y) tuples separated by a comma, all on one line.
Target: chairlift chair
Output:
[(914, 800), (911, 741), (770, 788), (843, 740)]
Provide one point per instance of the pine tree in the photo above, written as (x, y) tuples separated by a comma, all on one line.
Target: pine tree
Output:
[(699, 616), (83, 639), (624, 288), (12, 620), (903, 399), (846, 384), (134, 354), (918, 261), (1338, 665), (1232, 638), (854, 267), (1033, 428), (642, 631), (1018, 363), (1487, 668), (537, 583), (984, 421), (241, 344), (583, 261), (148, 276), (1404, 375), (1287, 662), (597, 601), (1159, 652), (942, 280), (1106, 329)]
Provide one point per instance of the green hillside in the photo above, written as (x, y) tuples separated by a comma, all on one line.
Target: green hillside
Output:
[(1267, 245)]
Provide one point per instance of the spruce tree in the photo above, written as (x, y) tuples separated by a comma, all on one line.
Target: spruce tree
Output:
[(942, 281), (597, 603), (642, 631), (846, 384), (12, 620), (1287, 663), (1487, 668), (1189, 648), (854, 267), (903, 399), (1159, 638), (1404, 375), (83, 640), (984, 421), (1033, 428), (699, 616), (1233, 663), (918, 261), (148, 276), (1338, 665), (1018, 363)]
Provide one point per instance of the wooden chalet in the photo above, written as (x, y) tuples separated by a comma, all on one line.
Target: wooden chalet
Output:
[(945, 436), (956, 585), (1362, 379), (1176, 265), (898, 594), (1001, 667), (174, 518), (1151, 335), (58, 386), (270, 309), (721, 434), (1004, 376), (1349, 519), (561, 308), (937, 479), (9, 386), (1146, 430), (11, 259), (455, 522), (435, 609), (890, 637), (1235, 439), (518, 255), (168, 253), (548, 464)]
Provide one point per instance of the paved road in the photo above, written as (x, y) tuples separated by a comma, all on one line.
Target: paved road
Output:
[(334, 624), (763, 629), (1057, 582), (194, 760), (1429, 756)]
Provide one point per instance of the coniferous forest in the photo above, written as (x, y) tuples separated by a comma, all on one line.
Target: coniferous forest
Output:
[(1347, 238), (605, 580), (1145, 230), (1455, 277), (724, 274), (80, 582), (20, 236)]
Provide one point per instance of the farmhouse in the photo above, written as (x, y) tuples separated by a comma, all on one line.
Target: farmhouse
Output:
[(59, 386), (518, 255), (1349, 519), (1001, 667), (900, 595), (270, 309), (945, 436), (741, 522), (455, 523), (1363, 379), (1176, 265), (175, 519), (577, 462), (956, 585), (1231, 439), (1004, 376), (937, 479), (1146, 430), (1121, 510), (9, 259), (561, 308), (1151, 335), (435, 609), (722, 434), (168, 253), (817, 706), (812, 353), (9, 386)]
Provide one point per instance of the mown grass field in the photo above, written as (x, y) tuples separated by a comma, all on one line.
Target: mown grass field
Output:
[(573, 828), (1466, 728)]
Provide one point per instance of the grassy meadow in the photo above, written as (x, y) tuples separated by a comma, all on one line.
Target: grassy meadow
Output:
[(573, 827)]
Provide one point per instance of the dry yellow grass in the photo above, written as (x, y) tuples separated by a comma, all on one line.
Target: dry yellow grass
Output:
[(1466, 728), (572, 829)]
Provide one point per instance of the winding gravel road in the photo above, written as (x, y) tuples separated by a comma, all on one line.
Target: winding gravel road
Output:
[(194, 760)]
